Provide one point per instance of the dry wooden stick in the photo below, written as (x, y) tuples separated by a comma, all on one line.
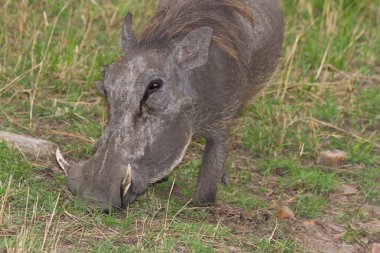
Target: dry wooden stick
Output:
[(32, 148)]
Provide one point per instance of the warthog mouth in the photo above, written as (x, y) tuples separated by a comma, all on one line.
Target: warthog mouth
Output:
[(126, 193)]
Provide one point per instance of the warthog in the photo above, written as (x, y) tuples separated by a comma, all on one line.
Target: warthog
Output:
[(187, 75)]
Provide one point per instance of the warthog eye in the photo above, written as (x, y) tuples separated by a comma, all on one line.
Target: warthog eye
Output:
[(153, 86)]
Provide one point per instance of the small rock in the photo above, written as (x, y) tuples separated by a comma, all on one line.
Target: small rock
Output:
[(348, 190), (375, 248), (333, 158), (284, 213)]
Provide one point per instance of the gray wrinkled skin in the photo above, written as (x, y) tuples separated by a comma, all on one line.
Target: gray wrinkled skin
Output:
[(201, 95)]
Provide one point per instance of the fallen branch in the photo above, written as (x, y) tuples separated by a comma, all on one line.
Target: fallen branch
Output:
[(33, 149)]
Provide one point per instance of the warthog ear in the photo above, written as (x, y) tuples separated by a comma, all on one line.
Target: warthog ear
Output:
[(128, 36), (192, 51)]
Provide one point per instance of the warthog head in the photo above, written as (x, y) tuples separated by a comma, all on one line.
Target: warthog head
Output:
[(148, 128)]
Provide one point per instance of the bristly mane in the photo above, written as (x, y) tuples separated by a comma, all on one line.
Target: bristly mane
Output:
[(179, 17)]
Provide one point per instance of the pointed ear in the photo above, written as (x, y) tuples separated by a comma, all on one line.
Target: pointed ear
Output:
[(192, 51), (128, 36)]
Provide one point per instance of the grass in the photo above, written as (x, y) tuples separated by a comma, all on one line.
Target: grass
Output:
[(325, 95)]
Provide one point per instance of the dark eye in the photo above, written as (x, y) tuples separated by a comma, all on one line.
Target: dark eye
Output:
[(155, 85)]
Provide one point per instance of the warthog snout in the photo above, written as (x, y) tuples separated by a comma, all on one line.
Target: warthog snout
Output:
[(102, 192), (97, 189)]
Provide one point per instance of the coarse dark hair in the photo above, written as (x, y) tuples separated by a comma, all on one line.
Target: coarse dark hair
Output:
[(176, 18)]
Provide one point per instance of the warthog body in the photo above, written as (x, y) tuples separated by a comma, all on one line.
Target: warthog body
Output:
[(187, 75)]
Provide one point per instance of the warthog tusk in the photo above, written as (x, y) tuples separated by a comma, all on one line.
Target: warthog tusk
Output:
[(63, 164), (126, 184)]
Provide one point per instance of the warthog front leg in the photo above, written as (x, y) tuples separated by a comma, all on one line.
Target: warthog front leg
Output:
[(211, 170)]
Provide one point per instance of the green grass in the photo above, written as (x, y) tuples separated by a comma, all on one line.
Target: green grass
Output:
[(326, 95)]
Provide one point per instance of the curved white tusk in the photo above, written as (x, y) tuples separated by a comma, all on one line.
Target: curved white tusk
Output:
[(63, 164), (126, 184)]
